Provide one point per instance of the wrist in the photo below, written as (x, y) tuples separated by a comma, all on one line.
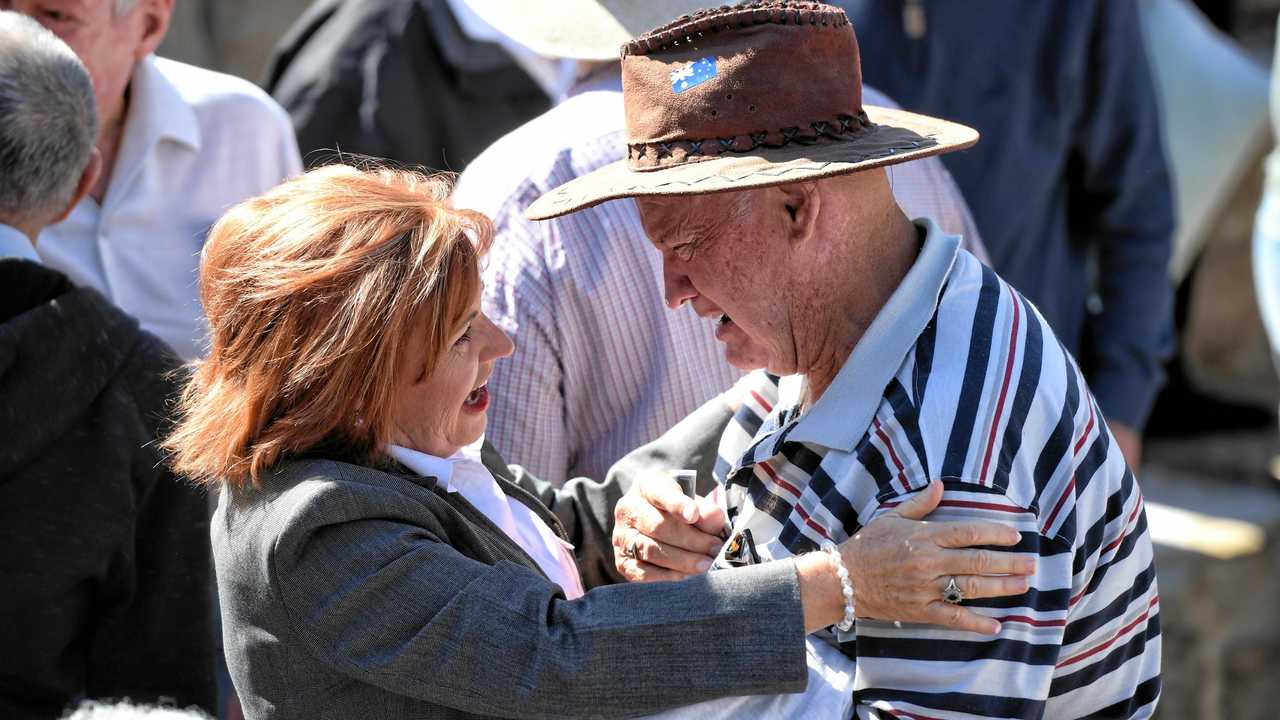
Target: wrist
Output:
[(846, 584), (820, 595)]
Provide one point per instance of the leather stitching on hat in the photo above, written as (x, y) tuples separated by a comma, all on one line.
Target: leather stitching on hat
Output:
[(777, 12), (675, 152)]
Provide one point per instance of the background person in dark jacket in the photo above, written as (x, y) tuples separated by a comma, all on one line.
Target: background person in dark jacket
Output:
[(397, 79), (1074, 202), (105, 563)]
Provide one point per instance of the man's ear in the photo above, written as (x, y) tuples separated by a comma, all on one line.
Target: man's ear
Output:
[(155, 23), (87, 178), (802, 202)]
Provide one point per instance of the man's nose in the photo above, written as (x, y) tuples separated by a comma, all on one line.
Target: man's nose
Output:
[(676, 285)]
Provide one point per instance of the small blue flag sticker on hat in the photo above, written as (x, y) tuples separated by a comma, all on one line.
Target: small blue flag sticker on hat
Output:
[(694, 73)]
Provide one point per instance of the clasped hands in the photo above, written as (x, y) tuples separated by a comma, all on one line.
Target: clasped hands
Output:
[(899, 562)]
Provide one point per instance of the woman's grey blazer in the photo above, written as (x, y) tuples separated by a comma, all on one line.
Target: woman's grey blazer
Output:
[(352, 592)]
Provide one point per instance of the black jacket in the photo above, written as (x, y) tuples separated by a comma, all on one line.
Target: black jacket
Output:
[(104, 554), (396, 79)]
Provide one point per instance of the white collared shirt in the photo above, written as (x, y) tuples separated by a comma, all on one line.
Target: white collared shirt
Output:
[(15, 244), (195, 142), (464, 474)]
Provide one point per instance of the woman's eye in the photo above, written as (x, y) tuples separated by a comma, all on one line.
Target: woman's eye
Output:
[(466, 337)]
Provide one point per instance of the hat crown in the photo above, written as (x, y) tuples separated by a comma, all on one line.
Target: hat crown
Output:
[(734, 79)]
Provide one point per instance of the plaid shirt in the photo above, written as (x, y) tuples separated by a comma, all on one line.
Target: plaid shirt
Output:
[(960, 378), (600, 365)]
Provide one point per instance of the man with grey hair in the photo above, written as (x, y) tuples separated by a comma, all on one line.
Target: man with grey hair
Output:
[(106, 562), (179, 145), (47, 128)]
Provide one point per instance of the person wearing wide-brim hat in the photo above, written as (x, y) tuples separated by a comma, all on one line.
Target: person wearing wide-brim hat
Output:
[(759, 177), (586, 286)]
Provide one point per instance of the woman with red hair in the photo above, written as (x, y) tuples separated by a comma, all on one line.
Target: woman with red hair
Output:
[(371, 563)]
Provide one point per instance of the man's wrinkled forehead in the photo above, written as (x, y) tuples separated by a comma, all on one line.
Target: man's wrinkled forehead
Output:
[(666, 218)]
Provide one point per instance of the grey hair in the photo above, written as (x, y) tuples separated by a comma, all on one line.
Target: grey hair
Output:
[(123, 6), (48, 119)]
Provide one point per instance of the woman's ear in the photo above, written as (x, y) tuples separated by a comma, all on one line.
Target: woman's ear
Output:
[(802, 202)]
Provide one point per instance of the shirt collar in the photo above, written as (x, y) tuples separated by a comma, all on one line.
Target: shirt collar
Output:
[(15, 244), (157, 111), (165, 113), (843, 413), (441, 469)]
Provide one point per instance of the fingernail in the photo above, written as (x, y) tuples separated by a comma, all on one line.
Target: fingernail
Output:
[(704, 565), (994, 628), (689, 513)]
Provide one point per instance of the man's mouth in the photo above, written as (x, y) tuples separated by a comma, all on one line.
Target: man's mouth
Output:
[(478, 399), (722, 325)]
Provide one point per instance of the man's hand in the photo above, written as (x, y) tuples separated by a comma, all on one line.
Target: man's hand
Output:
[(662, 534), (1130, 442)]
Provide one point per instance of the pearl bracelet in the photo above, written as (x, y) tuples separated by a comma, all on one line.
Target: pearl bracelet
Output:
[(846, 586)]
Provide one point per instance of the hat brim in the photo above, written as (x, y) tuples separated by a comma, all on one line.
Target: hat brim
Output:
[(897, 136)]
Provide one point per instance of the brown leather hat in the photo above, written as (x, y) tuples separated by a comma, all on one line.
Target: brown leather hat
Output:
[(749, 96)]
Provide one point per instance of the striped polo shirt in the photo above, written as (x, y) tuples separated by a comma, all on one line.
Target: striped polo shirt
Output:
[(960, 378)]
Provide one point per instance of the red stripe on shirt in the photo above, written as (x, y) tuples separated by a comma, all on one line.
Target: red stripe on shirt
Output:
[(1124, 533), (1087, 429), (1066, 493), (762, 402), (1004, 387), (809, 521), (777, 479), (1119, 633), (902, 474)]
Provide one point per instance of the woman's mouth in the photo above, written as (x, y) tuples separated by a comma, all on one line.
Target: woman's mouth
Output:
[(477, 400)]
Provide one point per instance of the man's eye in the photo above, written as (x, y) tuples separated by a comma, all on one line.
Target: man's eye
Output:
[(56, 16), (684, 252)]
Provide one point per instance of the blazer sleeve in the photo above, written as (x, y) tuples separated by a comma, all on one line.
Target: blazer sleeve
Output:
[(373, 589), (585, 506)]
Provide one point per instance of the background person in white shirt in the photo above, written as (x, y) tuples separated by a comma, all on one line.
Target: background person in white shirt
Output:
[(106, 552), (179, 145), (600, 366)]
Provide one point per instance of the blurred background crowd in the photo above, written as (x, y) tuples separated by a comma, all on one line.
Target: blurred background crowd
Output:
[(1122, 184)]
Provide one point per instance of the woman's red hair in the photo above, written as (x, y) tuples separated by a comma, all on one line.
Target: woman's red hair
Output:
[(311, 291)]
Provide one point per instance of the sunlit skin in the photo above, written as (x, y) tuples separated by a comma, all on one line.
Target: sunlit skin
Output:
[(110, 46), (792, 274), (444, 411)]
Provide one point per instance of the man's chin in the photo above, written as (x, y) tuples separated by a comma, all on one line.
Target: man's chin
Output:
[(745, 359), (739, 350)]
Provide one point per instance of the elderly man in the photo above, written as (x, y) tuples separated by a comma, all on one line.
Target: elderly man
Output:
[(179, 145), (586, 286), (759, 176), (105, 558)]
